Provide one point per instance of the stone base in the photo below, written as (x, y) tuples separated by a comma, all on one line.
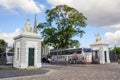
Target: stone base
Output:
[(31, 67)]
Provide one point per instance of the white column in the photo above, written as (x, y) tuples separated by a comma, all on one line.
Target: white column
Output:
[(108, 57), (101, 53)]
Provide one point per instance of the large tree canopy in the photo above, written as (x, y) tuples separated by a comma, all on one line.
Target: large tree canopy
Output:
[(62, 24), (3, 45)]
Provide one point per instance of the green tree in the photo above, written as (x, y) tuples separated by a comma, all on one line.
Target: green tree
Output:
[(62, 24), (74, 43), (3, 45), (12, 49), (116, 50)]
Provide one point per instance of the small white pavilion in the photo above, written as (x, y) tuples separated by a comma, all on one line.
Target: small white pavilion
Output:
[(100, 50), (27, 48)]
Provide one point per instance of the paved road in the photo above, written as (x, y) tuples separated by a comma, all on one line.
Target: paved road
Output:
[(10, 72), (77, 72)]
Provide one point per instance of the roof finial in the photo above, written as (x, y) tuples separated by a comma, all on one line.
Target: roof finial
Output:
[(27, 27), (35, 25), (98, 38)]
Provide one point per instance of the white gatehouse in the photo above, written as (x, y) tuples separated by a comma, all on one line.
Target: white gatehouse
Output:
[(100, 50), (27, 48)]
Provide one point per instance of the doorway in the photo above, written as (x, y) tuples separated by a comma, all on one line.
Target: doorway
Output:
[(105, 54), (31, 57), (95, 56)]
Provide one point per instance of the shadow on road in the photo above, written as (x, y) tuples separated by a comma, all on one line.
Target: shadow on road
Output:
[(7, 71)]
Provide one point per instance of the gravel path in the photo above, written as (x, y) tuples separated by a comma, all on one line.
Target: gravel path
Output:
[(77, 72)]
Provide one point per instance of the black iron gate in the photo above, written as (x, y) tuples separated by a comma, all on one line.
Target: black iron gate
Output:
[(4, 56)]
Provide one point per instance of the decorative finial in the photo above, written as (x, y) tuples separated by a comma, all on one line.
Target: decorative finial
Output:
[(27, 27), (98, 38), (35, 25), (27, 23)]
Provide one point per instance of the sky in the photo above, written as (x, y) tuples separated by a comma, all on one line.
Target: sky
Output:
[(103, 17)]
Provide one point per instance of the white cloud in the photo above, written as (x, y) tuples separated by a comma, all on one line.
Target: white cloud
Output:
[(29, 6), (8, 37), (99, 12), (115, 26), (113, 38)]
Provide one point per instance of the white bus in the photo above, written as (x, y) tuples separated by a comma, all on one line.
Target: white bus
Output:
[(71, 55)]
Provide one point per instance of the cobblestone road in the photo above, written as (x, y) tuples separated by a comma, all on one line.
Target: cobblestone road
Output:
[(78, 72)]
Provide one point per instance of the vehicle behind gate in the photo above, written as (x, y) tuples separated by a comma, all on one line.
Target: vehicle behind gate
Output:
[(9, 58), (6, 58), (72, 55)]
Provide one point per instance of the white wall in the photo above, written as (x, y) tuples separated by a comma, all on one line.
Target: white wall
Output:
[(16, 62), (101, 48), (24, 44)]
